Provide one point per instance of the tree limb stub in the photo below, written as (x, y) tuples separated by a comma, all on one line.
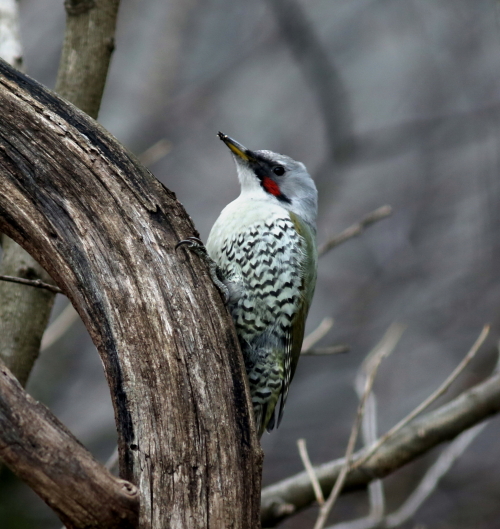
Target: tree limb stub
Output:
[(471, 407), (39, 449), (105, 229)]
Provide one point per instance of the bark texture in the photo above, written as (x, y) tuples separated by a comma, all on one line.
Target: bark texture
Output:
[(105, 230), (45, 454)]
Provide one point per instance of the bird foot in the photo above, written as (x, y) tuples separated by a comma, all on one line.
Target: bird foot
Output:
[(197, 246)]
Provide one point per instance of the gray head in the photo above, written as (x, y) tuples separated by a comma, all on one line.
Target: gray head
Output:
[(275, 177)]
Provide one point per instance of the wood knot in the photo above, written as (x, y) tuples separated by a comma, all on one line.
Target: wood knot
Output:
[(128, 488)]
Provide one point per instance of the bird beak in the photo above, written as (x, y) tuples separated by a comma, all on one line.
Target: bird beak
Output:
[(236, 148)]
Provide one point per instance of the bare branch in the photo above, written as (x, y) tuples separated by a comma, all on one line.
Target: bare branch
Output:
[(301, 443), (43, 453), (372, 363), (332, 350), (431, 479), (355, 230), (419, 436), (37, 283), (432, 398), (369, 432), (315, 336), (425, 488), (318, 71)]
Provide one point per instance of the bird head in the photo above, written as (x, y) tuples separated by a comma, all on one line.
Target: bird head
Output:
[(275, 177)]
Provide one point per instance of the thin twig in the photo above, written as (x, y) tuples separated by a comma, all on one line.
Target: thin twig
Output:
[(429, 400), (425, 432), (372, 363), (355, 229), (434, 474), (301, 443), (32, 283), (424, 489), (315, 336), (431, 479), (369, 432), (332, 350)]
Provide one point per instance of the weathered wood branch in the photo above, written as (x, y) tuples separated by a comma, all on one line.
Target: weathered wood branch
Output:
[(105, 230), (471, 407), (42, 452)]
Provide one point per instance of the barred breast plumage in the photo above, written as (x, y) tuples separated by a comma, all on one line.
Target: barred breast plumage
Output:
[(264, 246), (264, 264)]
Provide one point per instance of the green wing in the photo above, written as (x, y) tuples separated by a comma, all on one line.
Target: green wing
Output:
[(309, 272)]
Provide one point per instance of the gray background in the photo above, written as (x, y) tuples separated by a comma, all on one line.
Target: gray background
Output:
[(412, 120)]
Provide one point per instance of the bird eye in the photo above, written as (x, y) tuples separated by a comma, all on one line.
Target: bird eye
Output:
[(279, 170)]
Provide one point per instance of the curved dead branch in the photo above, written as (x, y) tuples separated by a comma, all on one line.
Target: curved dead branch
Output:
[(105, 230)]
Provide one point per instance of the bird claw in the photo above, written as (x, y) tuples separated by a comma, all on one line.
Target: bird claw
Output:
[(192, 242), (196, 245)]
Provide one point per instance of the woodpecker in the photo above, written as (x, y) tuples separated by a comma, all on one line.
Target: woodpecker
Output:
[(263, 246)]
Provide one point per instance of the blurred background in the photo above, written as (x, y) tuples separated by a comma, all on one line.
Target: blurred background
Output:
[(386, 102)]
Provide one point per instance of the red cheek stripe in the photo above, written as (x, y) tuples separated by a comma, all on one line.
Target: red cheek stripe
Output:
[(271, 186)]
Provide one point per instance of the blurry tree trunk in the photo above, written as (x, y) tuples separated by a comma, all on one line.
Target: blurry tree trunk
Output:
[(88, 44), (89, 41), (24, 311), (105, 229), (318, 71)]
